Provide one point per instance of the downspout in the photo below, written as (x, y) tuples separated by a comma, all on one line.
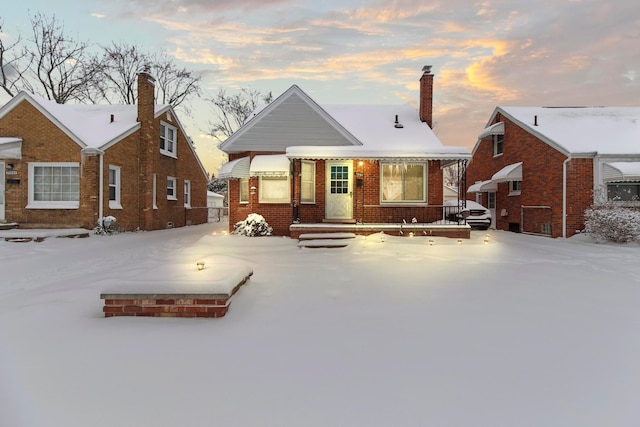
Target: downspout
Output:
[(101, 186), (564, 196)]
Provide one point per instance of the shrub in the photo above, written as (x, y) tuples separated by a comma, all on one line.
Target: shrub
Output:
[(106, 225), (614, 223), (254, 225)]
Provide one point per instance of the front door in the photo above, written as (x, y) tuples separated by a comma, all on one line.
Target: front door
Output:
[(491, 205), (3, 179), (339, 200)]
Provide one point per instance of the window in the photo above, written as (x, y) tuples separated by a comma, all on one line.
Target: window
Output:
[(498, 145), (114, 187), (515, 187), (404, 182), (623, 192), (274, 189), (168, 140), (491, 200), (54, 185), (155, 194), (308, 182), (171, 188), (187, 193), (244, 190)]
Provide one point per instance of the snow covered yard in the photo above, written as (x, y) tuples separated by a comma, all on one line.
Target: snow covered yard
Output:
[(524, 331)]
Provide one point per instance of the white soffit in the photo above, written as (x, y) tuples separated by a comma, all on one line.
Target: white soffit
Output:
[(238, 168), (483, 186), (495, 129), (269, 165), (511, 172), (621, 171)]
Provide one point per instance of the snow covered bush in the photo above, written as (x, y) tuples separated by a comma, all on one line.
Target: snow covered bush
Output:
[(612, 222), (254, 225), (106, 225)]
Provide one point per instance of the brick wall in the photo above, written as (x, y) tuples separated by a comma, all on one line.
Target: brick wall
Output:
[(542, 173), (366, 198), (43, 141)]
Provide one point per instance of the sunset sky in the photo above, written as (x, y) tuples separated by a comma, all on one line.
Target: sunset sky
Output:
[(484, 53)]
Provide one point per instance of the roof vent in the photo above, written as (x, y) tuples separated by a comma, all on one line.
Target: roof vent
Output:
[(112, 118), (397, 124)]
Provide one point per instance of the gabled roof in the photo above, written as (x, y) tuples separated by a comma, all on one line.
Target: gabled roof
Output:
[(295, 123), (291, 119), (89, 125), (580, 130)]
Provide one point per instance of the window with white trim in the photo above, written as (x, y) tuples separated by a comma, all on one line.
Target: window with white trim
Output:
[(244, 190), (114, 187), (168, 140), (515, 187), (498, 145), (155, 194), (623, 191), (171, 188), (187, 193), (54, 185), (403, 182), (274, 189), (308, 182)]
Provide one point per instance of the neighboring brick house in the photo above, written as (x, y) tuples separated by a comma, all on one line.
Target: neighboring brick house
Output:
[(301, 165), (537, 168), (67, 165)]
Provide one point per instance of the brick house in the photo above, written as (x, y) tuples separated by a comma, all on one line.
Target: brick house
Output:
[(537, 168), (353, 168), (67, 165)]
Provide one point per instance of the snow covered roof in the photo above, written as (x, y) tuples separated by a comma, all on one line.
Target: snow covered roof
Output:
[(581, 130), (295, 123), (88, 125), (621, 171), (494, 129), (511, 172), (10, 148), (269, 165), (483, 186), (214, 195)]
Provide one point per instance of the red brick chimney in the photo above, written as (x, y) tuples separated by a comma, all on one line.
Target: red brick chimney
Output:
[(426, 96), (148, 149)]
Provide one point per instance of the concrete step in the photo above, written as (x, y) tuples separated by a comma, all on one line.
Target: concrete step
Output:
[(332, 236)]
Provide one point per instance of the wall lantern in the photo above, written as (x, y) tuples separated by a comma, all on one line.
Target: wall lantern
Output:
[(253, 190), (200, 265)]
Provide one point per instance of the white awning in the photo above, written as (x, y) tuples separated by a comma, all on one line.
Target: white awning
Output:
[(483, 186), (621, 171), (238, 168), (270, 165), (10, 148), (511, 172), (495, 129)]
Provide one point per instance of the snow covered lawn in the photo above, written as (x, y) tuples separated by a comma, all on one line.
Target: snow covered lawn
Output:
[(524, 331)]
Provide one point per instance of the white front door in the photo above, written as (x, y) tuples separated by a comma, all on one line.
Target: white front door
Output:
[(491, 205), (339, 189), (3, 179)]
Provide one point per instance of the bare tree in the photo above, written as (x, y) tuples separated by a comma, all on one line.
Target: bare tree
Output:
[(62, 67), (122, 63), (231, 111), (174, 85), (14, 64)]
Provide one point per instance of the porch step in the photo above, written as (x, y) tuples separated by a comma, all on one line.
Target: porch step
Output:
[(8, 225), (325, 240)]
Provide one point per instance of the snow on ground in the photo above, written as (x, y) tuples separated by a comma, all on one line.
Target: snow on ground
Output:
[(524, 331)]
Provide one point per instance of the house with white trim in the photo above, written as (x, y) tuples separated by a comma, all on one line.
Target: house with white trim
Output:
[(68, 165), (358, 168), (537, 168)]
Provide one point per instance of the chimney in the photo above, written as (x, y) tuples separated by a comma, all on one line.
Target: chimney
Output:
[(426, 96), (148, 149), (146, 95)]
